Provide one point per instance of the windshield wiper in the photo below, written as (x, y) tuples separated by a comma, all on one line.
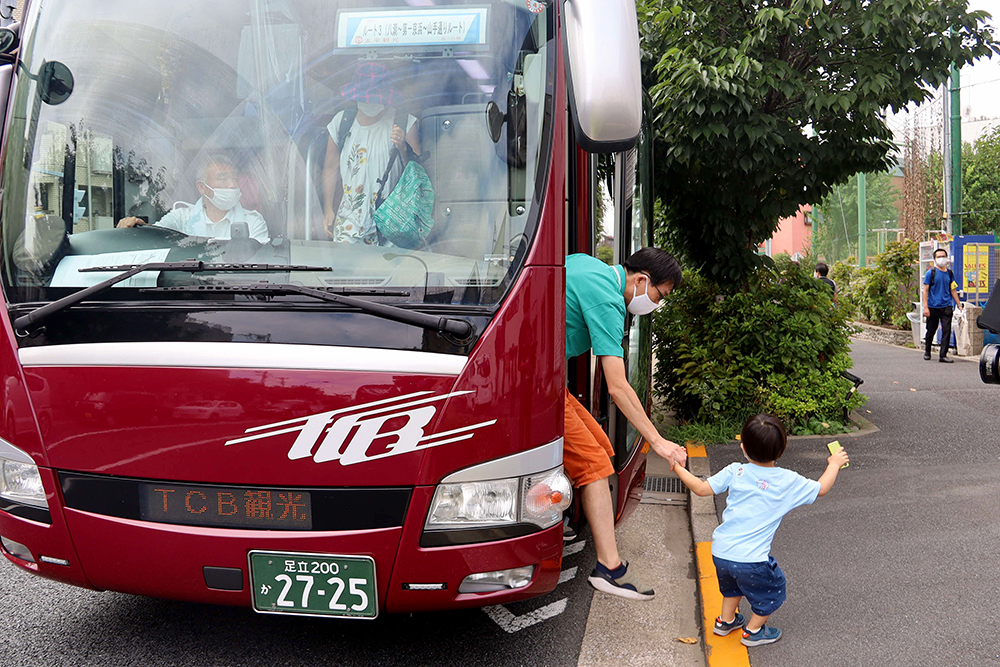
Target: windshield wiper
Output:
[(450, 325), (128, 270)]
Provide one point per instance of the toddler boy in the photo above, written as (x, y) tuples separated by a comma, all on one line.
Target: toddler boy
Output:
[(760, 494)]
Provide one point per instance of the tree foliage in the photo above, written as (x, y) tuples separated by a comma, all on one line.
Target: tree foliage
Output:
[(778, 346), (763, 106), (880, 294), (981, 184)]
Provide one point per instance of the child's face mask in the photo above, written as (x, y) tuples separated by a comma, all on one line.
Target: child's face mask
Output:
[(370, 109)]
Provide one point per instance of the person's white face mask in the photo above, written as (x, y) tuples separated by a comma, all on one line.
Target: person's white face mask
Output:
[(941, 261), (641, 304), (224, 199), (370, 109)]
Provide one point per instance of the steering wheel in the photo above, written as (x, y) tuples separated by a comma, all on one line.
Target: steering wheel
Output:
[(163, 232)]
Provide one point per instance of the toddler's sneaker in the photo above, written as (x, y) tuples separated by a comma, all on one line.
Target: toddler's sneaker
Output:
[(765, 635), (723, 629), (619, 582)]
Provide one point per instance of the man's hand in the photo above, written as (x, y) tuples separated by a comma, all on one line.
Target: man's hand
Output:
[(669, 451), (927, 311), (131, 221)]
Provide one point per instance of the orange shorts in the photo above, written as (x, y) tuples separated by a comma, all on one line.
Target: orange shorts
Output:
[(587, 451)]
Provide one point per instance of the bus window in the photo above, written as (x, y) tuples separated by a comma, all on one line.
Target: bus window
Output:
[(167, 94)]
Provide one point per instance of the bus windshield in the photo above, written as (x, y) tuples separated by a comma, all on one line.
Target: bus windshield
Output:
[(399, 145)]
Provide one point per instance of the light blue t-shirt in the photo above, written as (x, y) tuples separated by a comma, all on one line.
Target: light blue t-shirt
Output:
[(758, 499)]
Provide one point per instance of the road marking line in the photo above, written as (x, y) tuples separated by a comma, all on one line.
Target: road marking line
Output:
[(574, 548), (719, 651), (566, 575), (511, 623)]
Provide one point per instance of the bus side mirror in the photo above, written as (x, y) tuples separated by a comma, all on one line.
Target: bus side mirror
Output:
[(55, 83), (495, 120), (605, 81), (9, 40)]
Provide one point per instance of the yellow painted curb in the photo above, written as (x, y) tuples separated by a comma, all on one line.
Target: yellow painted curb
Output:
[(720, 651), (696, 450)]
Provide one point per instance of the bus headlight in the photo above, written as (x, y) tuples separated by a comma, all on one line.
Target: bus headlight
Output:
[(474, 504), (538, 499), (21, 483)]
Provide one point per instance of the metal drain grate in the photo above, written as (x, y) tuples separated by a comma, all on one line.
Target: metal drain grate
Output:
[(662, 484)]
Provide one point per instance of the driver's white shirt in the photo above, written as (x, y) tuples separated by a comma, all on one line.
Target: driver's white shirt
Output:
[(193, 220)]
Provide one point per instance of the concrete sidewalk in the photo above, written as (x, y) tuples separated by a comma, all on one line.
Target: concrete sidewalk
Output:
[(657, 541)]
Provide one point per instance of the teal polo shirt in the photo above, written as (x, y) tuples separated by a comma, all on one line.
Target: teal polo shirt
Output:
[(595, 307)]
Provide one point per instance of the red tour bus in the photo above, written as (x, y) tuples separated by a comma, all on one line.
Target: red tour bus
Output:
[(223, 382)]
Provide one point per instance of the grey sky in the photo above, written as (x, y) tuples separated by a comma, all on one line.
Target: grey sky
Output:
[(981, 81)]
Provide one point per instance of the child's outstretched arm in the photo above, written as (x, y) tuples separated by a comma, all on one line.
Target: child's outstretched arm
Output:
[(699, 487), (833, 465)]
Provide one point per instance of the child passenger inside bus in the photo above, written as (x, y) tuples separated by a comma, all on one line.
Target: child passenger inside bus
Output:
[(359, 152), (218, 208)]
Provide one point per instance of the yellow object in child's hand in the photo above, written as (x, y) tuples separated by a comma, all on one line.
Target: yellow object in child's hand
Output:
[(834, 447)]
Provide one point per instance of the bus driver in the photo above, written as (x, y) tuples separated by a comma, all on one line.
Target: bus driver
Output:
[(219, 206), (597, 296)]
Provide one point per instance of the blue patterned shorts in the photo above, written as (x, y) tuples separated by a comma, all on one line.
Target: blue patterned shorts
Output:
[(762, 584)]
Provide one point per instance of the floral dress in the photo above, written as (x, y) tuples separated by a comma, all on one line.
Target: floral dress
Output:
[(362, 163)]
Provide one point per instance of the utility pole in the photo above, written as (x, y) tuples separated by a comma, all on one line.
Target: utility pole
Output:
[(862, 220), (946, 162), (955, 136)]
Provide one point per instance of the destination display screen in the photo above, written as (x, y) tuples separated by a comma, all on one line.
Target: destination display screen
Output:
[(226, 507)]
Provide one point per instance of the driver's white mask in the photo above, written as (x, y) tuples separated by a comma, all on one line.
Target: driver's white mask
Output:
[(941, 261), (641, 304), (224, 199)]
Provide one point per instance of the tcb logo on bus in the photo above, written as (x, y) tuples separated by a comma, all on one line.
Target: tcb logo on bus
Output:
[(346, 435)]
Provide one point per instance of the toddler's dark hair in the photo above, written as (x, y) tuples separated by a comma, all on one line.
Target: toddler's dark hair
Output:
[(764, 438)]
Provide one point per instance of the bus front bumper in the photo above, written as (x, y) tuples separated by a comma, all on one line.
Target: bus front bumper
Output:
[(169, 561)]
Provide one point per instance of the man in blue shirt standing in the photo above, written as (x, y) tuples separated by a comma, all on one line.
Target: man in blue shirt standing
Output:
[(940, 291)]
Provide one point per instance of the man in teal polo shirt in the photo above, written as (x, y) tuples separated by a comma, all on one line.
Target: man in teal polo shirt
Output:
[(597, 298)]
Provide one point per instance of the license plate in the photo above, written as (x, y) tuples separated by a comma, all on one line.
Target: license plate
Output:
[(313, 584)]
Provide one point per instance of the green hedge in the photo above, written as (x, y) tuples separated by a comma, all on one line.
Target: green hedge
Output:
[(778, 346), (884, 293)]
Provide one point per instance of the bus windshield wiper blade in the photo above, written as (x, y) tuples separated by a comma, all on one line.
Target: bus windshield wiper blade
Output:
[(195, 266), (450, 325), (128, 270)]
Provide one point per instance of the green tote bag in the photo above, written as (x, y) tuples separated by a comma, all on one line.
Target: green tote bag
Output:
[(404, 217)]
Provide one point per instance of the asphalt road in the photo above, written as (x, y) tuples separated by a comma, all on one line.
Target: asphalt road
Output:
[(45, 624), (900, 563)]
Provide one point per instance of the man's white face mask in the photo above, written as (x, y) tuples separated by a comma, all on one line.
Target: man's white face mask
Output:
[(224, 199), (641, 304), (370, 109), (941, 261)]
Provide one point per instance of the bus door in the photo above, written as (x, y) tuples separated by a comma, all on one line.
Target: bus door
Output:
[(632, 194)]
